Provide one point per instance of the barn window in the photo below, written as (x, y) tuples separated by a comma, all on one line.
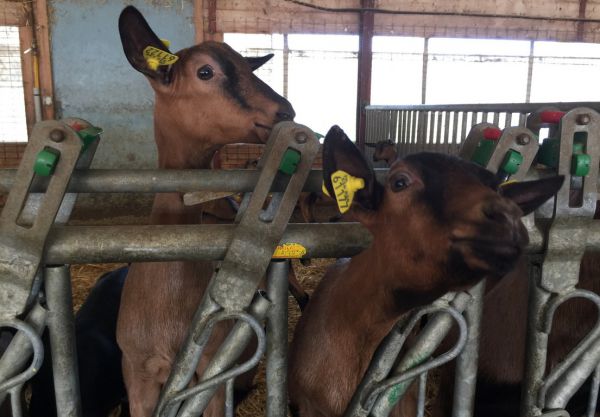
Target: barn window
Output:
[(476, 71), (397, 70), (12, 103), (565, 72), (317, 73)]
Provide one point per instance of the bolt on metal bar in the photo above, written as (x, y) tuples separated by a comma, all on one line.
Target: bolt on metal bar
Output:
[(61, 328), (277, 339)]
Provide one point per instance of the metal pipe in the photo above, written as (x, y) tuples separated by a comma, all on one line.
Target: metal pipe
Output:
[(61, 328), (97, 244), (537, 343), (488, 107), (560, 393), (164, 181), (429, 339), (227, 355), (277, 339), (229, 393), (466, 363), (422, 394), (20, 348), (593, 399)]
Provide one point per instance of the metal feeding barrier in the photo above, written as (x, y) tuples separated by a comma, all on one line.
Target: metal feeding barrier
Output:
[(35, 245)]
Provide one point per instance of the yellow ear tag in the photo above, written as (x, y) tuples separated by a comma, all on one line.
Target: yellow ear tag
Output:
[(289, 250), (345, 186), (505, 183), (156, 57)]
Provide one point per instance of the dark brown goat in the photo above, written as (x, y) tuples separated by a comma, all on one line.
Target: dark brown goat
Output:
[(439, 224), (208, 98)]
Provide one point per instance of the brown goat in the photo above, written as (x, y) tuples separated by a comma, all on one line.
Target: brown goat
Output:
[(385, 150), (439, 224), (208, 98)]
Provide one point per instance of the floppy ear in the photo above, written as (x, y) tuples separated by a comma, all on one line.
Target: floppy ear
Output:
[(339, 153), (529, 195), (136, 35), (258, 61)]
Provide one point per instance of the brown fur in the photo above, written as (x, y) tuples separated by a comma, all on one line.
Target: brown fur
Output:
[(443, 232), (193, 118), (385, 150)]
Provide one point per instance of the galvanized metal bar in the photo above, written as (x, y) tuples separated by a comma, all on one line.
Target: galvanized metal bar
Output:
[(560, 393), (429, 339), (537, 343), (28, 331), (439, 140), (61, 328), (98, 244), (463, 128), (466, 363), (159, 181), (489, 107), (229, 397), (229, 352), (496, 118), (277, 339), (15, 401), (422, 394), (595, 387)]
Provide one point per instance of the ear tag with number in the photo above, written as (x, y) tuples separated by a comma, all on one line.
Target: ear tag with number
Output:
[(156, 57), (344, 187)]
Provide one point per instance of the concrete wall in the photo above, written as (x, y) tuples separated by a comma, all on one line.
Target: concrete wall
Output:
[(93, 79)]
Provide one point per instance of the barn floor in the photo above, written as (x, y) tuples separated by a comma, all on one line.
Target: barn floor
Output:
[(84, 277)]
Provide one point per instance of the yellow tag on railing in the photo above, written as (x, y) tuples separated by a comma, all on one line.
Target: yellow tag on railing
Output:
[(155, 57), (344, 187), (289, 250)]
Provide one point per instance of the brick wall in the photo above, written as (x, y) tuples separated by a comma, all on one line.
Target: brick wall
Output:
[(10, 154), (237, 156)]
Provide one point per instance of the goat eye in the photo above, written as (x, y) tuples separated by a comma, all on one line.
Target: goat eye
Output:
[(205, 73), (400, 182)]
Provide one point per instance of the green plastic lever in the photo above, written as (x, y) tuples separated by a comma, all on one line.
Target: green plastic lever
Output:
[(45, 162), (289, 162)]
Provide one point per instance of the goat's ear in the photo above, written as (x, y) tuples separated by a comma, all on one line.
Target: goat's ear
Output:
[(136, 36), (529, 195), (258, 61), (339, 153)]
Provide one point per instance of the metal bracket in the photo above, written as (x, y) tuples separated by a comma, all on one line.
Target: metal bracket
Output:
[(22, 244), (254, 241)]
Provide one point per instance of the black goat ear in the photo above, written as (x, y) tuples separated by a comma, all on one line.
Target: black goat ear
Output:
[(138, 40), (258, 61), (529, 195), (340, 154)]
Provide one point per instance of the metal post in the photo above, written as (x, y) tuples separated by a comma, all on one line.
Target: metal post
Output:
[(61, 327), (537, 343), (466, 363), (277, 339)]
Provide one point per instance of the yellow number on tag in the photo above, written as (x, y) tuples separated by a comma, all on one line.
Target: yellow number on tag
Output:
[(155, 57), (344, 187), (289, 250)]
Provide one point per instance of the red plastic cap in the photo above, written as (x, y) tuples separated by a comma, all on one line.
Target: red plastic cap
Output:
[(551, 116), (76, 126), (492, 133)]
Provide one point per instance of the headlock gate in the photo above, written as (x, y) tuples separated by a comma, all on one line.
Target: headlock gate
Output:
[(36, 246)]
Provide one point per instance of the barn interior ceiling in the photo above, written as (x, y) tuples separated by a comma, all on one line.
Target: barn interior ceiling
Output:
[(561, 20)]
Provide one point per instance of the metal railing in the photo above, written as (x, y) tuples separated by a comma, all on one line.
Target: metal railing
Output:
[(442, 128)]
